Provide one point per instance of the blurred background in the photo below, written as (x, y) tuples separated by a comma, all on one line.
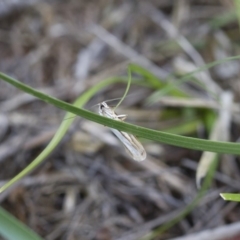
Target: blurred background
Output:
[(89, 188)]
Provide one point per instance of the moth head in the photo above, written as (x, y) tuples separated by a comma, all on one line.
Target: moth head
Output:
[(102, 106)]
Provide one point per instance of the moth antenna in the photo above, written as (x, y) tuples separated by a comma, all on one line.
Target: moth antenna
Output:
[(112, 99)]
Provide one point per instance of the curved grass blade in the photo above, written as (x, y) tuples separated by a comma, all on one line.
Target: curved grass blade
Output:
[(155, 82), (234, 197)]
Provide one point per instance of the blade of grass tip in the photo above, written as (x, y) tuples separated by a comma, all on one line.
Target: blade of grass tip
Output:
[(237, 7), (207, 182), (234, 197), (13, 229), (127, 88)]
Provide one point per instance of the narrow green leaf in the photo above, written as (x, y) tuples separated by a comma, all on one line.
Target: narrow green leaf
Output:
[(234, 197), (154, 81), (127, 89), (13, 229)]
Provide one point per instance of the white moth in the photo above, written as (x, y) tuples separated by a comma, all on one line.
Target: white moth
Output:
[(132, 145)]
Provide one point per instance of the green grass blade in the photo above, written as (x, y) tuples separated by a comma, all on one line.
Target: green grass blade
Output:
[(127, 89), (151, 78), (154, 81), (13, 229), (234, 197), (237, 7), (61, 131), (185, 142)]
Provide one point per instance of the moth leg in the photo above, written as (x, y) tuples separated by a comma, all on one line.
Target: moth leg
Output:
[(122, 117)]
